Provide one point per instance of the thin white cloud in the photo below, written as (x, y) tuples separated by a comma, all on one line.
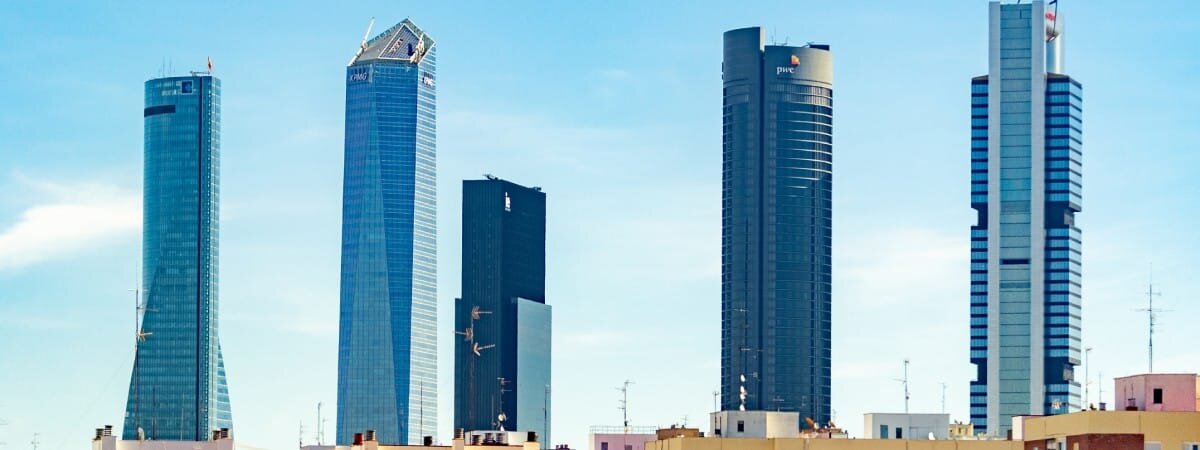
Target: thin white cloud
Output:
[(72, 218), (902, 265)]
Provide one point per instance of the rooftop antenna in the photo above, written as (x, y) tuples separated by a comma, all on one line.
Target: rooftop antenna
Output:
[(1100, 385), (1087, 381), (139, 336), (943, 397), (625, 403), (716, 400), (502, 417), (300, 435), (362, 47), (477, 350), (742, 392), (35, 442), (3, 423), (1151, 316), (320, 425), (905, 382)]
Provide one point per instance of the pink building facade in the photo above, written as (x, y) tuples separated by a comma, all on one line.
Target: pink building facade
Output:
[(1158, 392)]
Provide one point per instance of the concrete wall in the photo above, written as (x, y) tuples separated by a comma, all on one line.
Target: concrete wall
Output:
[(1179, 392), (755, 424), (618, 441), (826, 444), (1168, 429), (913, 426)]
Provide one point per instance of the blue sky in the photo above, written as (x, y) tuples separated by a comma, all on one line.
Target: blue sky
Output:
[(614, 109)]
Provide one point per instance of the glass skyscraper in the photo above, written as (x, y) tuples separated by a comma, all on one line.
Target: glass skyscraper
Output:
[(387, 351), (1025, 248), (776, 236), (178, 390), (502, 356)]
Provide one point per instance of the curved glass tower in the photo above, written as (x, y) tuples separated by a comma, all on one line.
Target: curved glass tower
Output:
[(776, 231), (387, 350), (178, 389), (1026, 166)]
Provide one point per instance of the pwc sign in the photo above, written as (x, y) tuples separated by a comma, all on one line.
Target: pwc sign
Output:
[(789, 69)]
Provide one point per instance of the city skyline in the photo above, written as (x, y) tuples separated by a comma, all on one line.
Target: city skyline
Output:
[(629, 204)]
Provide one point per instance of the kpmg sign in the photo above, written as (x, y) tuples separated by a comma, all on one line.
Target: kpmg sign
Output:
[(358, 76)]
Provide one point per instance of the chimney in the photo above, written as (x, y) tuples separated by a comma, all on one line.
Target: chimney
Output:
[(108, 430), (369, 435), (427, 441), (99, 434), (358, 439), (1103, 406), (216, 435), (225, 433), (531, 437), (457, 443)]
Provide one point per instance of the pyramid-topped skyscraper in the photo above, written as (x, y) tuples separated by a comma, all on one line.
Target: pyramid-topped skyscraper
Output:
[(387, 351)]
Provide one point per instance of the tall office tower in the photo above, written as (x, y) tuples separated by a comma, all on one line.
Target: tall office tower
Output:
[(1025, 247), (178, 389), (387, 350), (502, 356), (777, 182)]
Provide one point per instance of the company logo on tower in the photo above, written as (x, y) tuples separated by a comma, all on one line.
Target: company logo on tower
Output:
[(780, 70)]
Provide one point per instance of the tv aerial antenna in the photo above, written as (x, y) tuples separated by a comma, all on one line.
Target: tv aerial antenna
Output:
[(624, 403), (905, 382), (1152, 317)]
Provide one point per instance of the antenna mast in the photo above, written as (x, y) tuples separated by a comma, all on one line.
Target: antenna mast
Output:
[(943, 397), (1152, 317), (905, 382), (625, 403)]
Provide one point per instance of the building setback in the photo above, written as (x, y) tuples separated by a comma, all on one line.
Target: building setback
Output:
[(1025, 247), (776, 230), (178, 388), (387, 349), (502, 354)]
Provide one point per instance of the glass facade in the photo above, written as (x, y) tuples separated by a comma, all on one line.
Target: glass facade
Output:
[(777, 186), (387, 352), (502, 319), (178, 388), (1025, 248)]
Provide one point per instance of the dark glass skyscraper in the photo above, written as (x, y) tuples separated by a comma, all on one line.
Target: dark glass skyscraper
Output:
[(777, 184), (387, 351), (178, 389), (502, 358), (1026, 153)]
